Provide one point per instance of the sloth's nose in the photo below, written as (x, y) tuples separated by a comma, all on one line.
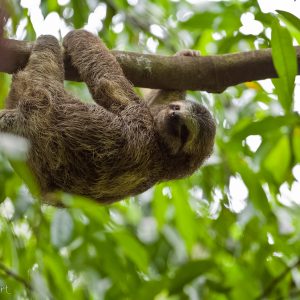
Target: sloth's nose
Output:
[(174, 115)]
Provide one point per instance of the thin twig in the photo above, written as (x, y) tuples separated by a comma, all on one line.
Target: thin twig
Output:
[(270, 287), (15, 276)]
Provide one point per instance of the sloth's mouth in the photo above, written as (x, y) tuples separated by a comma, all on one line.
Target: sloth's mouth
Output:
[(184, 134), (173, 124), (177, 128)]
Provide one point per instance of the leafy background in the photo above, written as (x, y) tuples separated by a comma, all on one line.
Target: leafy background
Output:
[(231, 231)]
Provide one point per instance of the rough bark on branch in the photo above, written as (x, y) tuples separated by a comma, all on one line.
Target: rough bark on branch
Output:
[(207, 73)]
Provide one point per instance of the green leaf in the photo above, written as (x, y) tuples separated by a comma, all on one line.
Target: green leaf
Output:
[(200, 21), (278, 160), (292, 22), (8, 253), (285, 62), (133, 249), (188, 272), (150, 289), (291, 18), (4, 84), (264, 126), (57, 272), (185, 217), (52, 5), (252, 181), (296, 143), (160, 205), (61, 228), (282, 92), (92, 208), (81, 12), (22, 169), (256, 192)]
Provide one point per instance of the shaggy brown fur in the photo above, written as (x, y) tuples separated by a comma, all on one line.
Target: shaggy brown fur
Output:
[(120, 146)]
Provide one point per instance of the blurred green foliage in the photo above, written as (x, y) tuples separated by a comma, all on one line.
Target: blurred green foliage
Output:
[(231, 231)]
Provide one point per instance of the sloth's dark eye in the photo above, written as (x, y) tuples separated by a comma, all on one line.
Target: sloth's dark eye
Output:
[(175, 106), (184, 134)]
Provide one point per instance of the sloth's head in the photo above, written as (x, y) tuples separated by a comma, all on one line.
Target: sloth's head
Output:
[(187, 132)]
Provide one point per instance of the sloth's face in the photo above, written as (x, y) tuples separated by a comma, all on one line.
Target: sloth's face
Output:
[(180, 124)]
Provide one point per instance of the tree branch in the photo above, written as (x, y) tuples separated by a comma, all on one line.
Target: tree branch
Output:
[(207, 73), (15, 276)]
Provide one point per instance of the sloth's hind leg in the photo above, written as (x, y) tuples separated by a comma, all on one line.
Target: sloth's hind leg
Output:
[(43, 75), (46, 60)]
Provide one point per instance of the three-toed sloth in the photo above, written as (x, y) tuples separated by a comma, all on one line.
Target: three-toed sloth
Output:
[(117, 147)]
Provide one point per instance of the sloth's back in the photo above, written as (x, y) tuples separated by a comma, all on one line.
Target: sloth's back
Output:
[(86, 150)]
